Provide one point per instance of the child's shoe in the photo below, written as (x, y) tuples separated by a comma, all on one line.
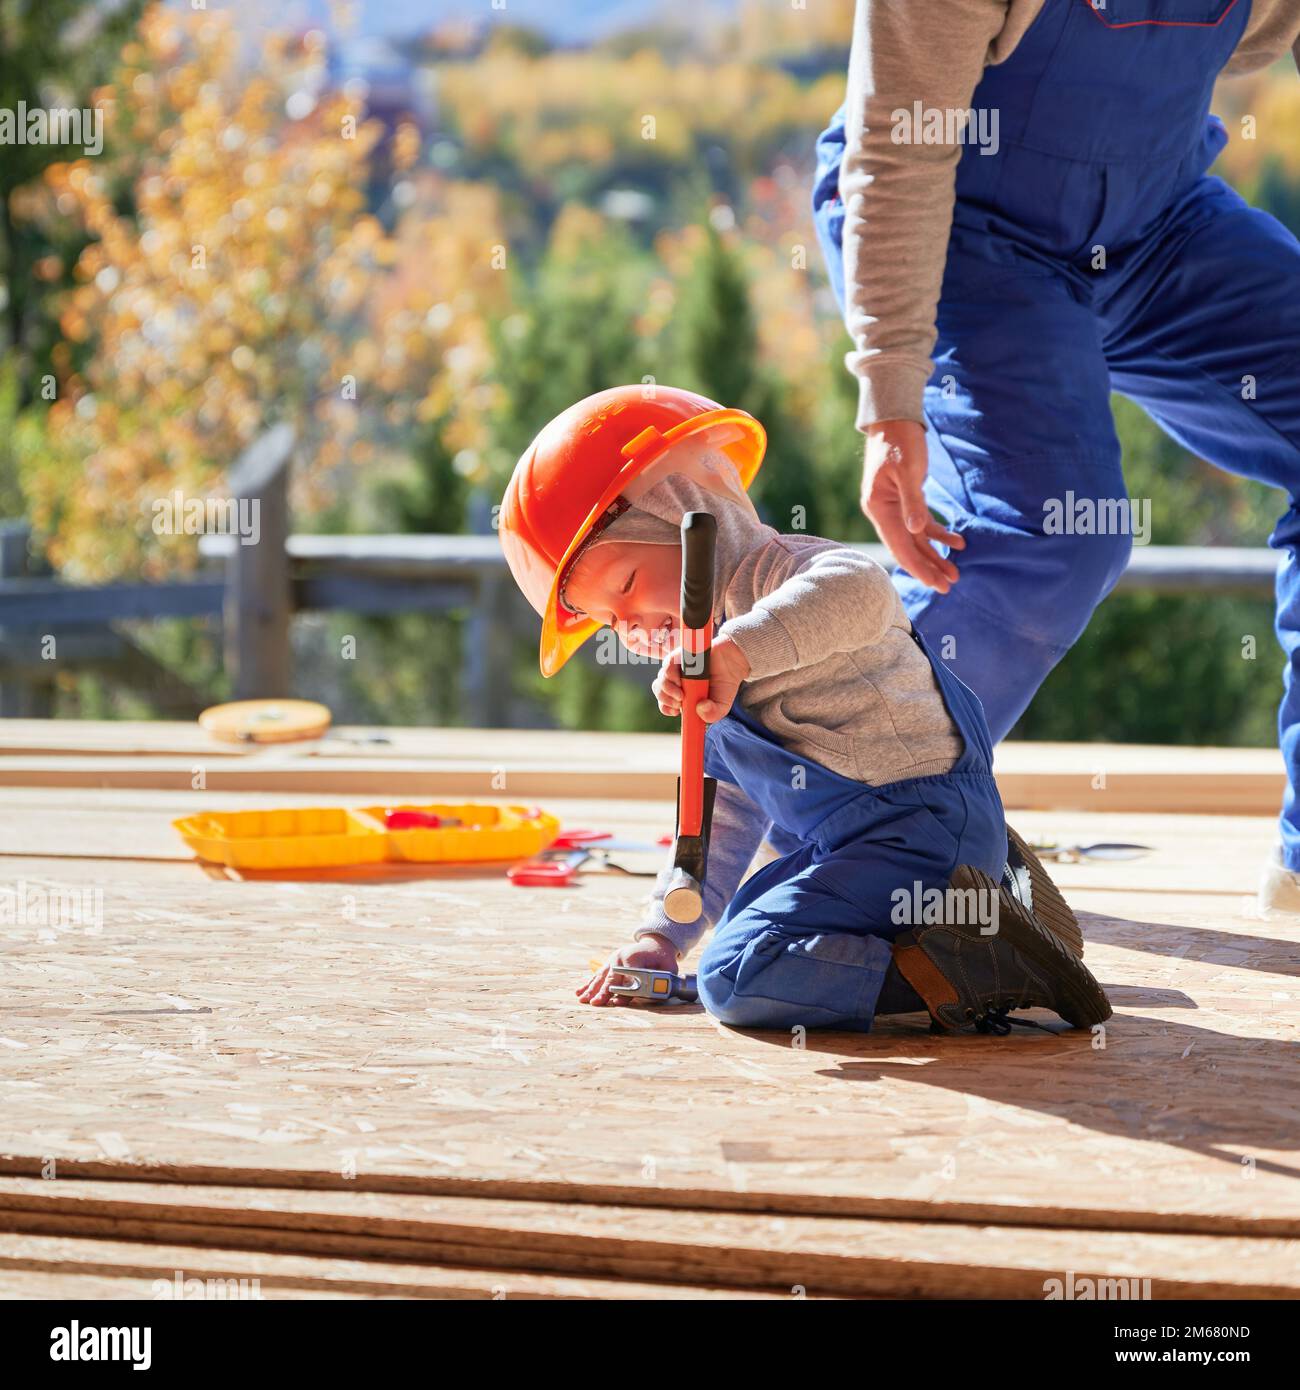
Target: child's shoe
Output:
[(971, 978), (1032, 884)]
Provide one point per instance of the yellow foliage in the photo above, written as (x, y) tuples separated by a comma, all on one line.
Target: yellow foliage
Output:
[(590, 108), (1262, 116), (249, 285)]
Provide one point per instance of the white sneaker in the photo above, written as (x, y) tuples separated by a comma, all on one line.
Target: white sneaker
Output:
[(1279, 887)]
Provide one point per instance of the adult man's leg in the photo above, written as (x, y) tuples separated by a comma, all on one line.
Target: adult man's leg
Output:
[(1018, 415), (1202, 329), (1020, 433)]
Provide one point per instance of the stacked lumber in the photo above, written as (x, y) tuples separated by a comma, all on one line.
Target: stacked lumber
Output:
[(300, 1242)]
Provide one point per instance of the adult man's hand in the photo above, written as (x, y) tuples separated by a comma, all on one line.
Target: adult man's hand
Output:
[(892, 474)]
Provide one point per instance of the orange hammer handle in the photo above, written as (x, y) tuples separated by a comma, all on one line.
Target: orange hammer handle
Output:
[(699, 532)]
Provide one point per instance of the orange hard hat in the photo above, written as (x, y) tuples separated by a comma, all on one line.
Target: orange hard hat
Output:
[(612, 445)]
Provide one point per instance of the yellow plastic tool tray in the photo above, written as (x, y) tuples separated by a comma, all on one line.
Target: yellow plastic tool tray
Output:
[(316, 837)]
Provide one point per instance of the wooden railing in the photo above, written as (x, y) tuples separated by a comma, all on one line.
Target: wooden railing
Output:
[(256, 589)]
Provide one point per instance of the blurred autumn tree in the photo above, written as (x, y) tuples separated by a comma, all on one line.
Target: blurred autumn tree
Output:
[(588, 316), (719, 353), (53, 53), (246, 284), (562, 124)]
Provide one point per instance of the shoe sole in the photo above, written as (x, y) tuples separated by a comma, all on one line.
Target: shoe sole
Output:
[(1046, 902), (1081, 1001)]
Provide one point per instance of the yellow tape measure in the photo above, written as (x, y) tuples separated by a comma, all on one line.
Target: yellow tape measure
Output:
[(266, 721)]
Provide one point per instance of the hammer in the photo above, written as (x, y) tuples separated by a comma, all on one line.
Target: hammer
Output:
[(684, 896)]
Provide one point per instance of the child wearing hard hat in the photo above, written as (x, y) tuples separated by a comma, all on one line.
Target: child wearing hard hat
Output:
[(833, 732)]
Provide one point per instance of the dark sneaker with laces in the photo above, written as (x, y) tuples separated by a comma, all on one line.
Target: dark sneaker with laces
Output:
[(971, 981), (1030, 882)]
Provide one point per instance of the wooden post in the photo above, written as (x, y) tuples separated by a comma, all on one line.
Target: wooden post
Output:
[(21, 697), (259, 598), (485, 682), (14, 536), (13, 563)]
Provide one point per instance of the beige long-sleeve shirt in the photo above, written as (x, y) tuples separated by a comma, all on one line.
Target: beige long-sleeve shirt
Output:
[(898, 198)]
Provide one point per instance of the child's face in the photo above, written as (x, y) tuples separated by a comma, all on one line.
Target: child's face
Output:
[(635, 588)]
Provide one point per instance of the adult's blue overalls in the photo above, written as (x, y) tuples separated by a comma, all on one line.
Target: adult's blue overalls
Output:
[(1105, 137), (805, 941)]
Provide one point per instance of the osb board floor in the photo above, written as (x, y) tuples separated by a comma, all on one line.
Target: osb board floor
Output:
[(420, 1035)]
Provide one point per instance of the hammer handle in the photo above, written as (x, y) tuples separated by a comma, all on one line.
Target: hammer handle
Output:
[(699, 532)]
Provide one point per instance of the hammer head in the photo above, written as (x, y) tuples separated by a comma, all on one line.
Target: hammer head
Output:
[(684, 896)]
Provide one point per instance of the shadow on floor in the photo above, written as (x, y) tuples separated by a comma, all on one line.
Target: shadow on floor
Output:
[(1274, 955), (1168, 1081)]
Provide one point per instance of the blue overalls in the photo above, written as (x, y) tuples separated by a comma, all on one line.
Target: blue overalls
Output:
[(1105, 136), (806, 938)]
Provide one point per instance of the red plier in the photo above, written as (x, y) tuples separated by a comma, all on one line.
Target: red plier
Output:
[(556, 865)]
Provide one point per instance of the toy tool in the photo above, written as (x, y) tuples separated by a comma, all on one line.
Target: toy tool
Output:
[(266, 721), (331, 837), (407, 819), (654, 986), (684, 895), (556, 865), (1076, 854)]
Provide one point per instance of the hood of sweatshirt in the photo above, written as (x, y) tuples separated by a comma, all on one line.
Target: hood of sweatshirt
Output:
[(702, 480)]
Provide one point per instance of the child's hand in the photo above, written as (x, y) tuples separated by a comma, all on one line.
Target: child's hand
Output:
[(649, 953), (728, 667)]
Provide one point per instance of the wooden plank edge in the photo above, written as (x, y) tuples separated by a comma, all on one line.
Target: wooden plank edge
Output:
[(58, 1284), (409, 779), (760, 1269), (313, 1276), (499, 1229), (771, 1203), (1191, 792), (1185, 793)]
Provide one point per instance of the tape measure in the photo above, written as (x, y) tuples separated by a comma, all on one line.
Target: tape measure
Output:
[(266, 721)]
